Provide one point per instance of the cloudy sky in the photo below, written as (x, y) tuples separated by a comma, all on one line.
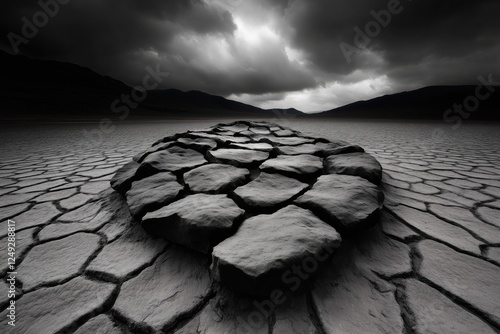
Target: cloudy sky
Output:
[(309, 54)]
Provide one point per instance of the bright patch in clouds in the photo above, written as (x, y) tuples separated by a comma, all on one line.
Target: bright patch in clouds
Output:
[(325, 97)]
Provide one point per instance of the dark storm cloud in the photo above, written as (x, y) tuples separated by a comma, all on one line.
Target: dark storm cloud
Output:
[(187, 38), (428, 42), (275, 53)]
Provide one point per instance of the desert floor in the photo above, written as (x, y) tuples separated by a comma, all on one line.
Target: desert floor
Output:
[(83, 265)]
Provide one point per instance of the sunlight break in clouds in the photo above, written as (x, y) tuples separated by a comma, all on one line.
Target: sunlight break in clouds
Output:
[(326, 97)]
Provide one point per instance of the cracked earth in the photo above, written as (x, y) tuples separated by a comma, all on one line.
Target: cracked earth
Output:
[(431, 265)]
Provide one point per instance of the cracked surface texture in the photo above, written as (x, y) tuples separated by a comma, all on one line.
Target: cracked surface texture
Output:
[(430, 266)]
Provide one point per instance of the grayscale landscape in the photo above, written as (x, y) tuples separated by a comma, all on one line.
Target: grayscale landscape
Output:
[(274, 167)]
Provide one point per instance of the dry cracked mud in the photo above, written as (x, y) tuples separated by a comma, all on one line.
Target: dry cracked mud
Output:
[(85, 265)]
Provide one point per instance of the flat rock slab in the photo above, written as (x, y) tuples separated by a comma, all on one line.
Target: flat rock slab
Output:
[(198, 144), (58, 309), (464, 276), (357, 164), (197, 188), (173, 159), (434, 313), (152, 193), (255, 146), (122, 180), (197, 221), (349, 300), (238, 157), (128, 254), (265, 246), (222, 138), (349, 203), (304, 164), (101, 324), (269, 190), (174, 285), (215, 178), (320, 149), (67, 257)]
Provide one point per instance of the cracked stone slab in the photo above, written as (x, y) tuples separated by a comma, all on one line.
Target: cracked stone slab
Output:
[(75, 201), (394, 227), (269, 190), (59, 230), (320, 148), (284, 133), (171, 288), (58, 309), (251, 261), (382, 255), (293, 316), (489, 215), (139, 158), (291, 141), (200, 228), (13, 210), (237, 127), (303, 164), (152, 193), (94, 188), (435, 313), (237, 157), (102, 324), (199, 144), (40, 214), (467, 277), (349, 203), (261, 130), (494, 254), (466, 219), (98, 172), (438, 229), (55, 195), (132, 251), (255, 146), (56, 261), (41, 187), (214, 178), (11, 199), (350, 301), (221, 138), (357, 164), (173, 159), (82, 214), (229, 312), (122, 180)]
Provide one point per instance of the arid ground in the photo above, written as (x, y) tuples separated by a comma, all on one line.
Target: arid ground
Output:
[(432, 265)]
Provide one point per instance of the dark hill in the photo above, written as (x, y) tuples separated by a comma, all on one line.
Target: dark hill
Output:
[(52, 90), (426, 103)]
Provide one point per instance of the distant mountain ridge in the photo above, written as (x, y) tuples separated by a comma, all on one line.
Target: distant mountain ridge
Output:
[(46, 89), (51, 90), (431, 102)]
